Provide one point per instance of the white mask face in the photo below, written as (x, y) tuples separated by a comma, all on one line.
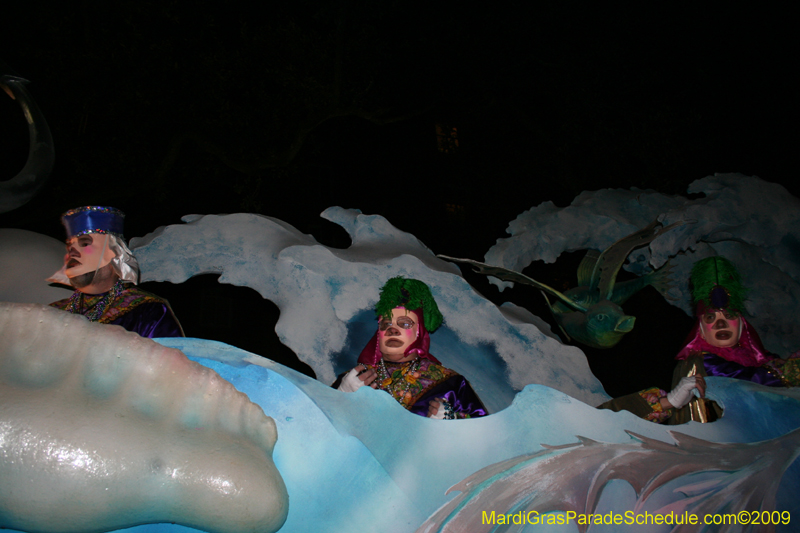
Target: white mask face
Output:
[(395, 336), (720, 328), (87, 253)]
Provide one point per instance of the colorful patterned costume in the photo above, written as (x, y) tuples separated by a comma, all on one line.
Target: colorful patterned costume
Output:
[(747, 360), (415, 383), (717, 288), (134, 309)]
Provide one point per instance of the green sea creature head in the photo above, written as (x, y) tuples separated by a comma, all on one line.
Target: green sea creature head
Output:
[(604, 325)]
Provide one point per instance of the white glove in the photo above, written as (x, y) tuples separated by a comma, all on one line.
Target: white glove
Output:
[(351, 383), (445, 410), (682, 394), (440, 413)]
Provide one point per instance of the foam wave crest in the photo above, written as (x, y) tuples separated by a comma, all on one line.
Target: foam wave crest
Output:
[(101, 429)]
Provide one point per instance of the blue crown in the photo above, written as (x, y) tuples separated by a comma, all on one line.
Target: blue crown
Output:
[(93, 219)]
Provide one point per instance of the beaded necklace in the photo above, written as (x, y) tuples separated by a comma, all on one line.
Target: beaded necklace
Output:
[(398, 388), (96, 311)]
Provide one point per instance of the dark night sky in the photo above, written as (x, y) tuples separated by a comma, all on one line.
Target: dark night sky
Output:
[(169, 108)]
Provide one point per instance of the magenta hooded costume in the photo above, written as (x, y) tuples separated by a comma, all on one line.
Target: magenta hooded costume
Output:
[(747, 360), (415, 383), (717, 290)]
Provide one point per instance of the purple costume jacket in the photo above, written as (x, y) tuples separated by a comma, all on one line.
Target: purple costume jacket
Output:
[(414, 385), (717, 366), (135, 310), (748, 360)]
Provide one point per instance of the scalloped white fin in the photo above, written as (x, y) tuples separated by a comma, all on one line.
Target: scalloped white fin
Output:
[(101, 429)]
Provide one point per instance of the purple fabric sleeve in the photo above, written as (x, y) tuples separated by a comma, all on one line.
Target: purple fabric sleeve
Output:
[(717, 366), (151, 320), (458, 393), (456, 390)]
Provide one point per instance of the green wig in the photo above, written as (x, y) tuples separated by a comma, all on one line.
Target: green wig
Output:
[(411, 294), (711, 274)]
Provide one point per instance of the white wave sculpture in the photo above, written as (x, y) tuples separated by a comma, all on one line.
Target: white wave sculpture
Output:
[(754, 223), (27, 259), (326, 297), (100, 429)]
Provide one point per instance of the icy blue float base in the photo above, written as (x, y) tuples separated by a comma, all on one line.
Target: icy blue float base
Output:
[(358, 462)]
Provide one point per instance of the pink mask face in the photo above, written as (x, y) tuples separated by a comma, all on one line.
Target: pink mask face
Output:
[(87, 253), (395, 336), (720, 328)]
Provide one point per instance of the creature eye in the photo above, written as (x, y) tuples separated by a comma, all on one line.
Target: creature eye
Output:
[(600, 317), (729, 315), (709, 318)]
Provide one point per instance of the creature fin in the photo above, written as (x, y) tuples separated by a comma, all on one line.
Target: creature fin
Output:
[(564, 446), (586, 268), (572, 478), (610, 261), (553, 312), (509, 275), (661, 279)]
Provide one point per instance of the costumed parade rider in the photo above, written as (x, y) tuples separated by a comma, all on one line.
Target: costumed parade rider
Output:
[(103, 271), (397, 359), (721, 343)]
